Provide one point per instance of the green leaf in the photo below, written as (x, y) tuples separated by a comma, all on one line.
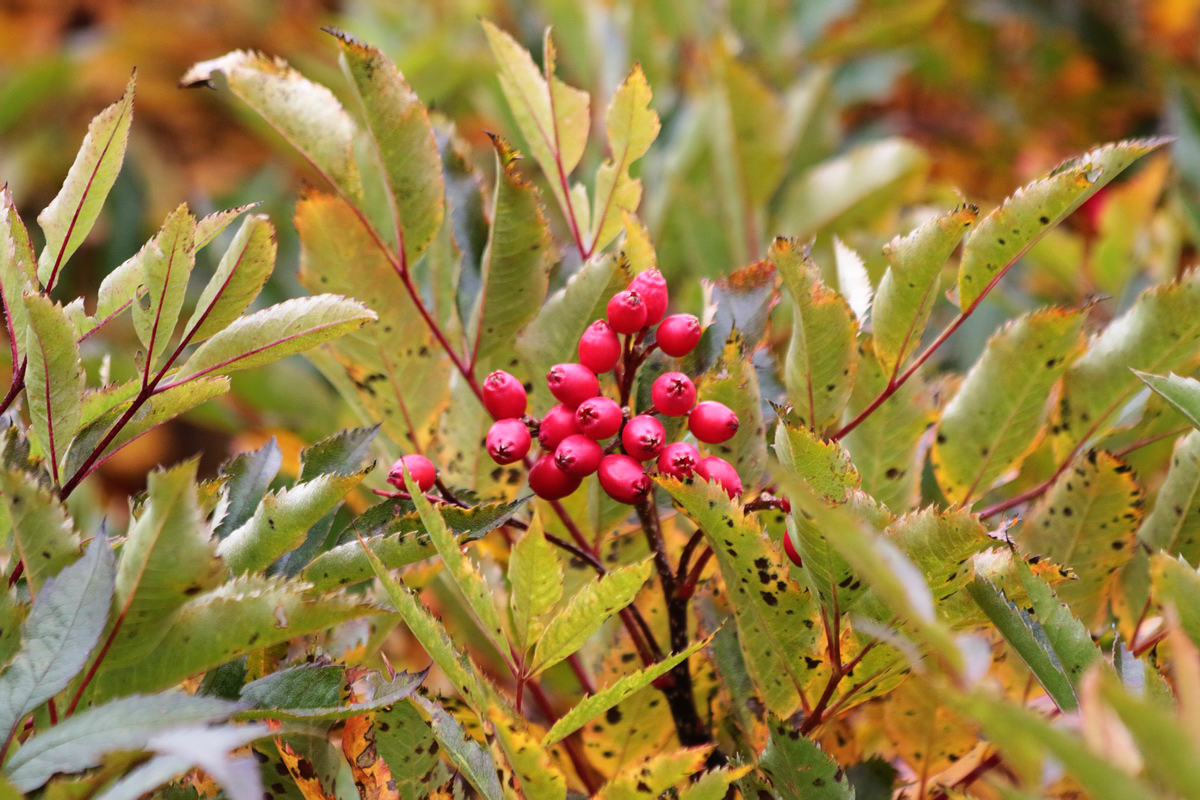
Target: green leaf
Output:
[(1182, 393), (1086, 522), (586, 611), (247, 477), (654, 776), (535, 771), (68, 219), (995, 417), (733, 380), (304, 113), (1162, 739), (1176, 583), (166, 268), (313, 691), (16, 274), (796, 768), (210, 226), (59, 634), (281, 330), (774, 615), (824, 466), (827, 571), (80, 742), (596, 704), (909, 288), (43, 532), (631, 126), (516, 263), (940, 544), (54, 380), (536, 575), (243, 271), (342, 453), (406, 748), (120, 287), (821, 356), (403, 139), (1174, 523), (714, 784), (467, 755), (281, 520)]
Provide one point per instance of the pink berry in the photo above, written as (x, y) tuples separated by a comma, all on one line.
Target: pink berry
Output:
[(652, 286), (790, 549), (578, 456), (679, 460), (599, 417), (420, 467), (508, 440), (627, 312), (721, 471), (712, 422), (623, 479), (673, 394), (548, 481), (643, 437), (599, 347), (558, 424), (503, 395), (678, 334), (572, 383)]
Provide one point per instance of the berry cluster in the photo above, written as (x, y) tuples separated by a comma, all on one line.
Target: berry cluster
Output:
[(588, 432)]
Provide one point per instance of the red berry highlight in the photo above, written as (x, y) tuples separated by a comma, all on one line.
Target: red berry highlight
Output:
[(713, 422), (679, 460), (627, 312), (599, 417), (548, 481), (420, 467), (572, 383), (578, 456), (790, 549), (558, 424), (623, 479), (678, 334), (673, 394), (643, 437), (652, 286), (717, 469), (503, 395), (508, 441), (599, 347)]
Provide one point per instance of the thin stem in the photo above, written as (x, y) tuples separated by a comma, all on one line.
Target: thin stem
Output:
[(688, 587), (14, 391)]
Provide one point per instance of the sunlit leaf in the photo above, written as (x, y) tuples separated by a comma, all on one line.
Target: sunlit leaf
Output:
[(796, 767), (631, 126), (825, 466), (536, 575), (54, 380), (655, 776), (535, 771), (43, 533), (242, 273), (467, 755), (1182, 393), (166, 268)]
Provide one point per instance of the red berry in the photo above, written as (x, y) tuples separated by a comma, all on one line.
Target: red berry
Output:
[(652, 286), (712, 422), (578, 456), (508, 440), (627, 312), (599, 417), (558, 424), (786, 505), (599, 347), (623, 479), (548, 481), (572, 383), (790, 549), (503, 395), (678, 334), (673, 394), (420, 467), (678, 460), (721, 471), (643, 437)]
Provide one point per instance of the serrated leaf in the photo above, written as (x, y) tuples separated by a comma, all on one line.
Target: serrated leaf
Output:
[(372, 777), (16, 274), (733, 380), (653, 777), (821, 356), (536, 774), (774, 615), (940, 544), (797, 768), (341, 454), (68, 219), (314, 691), (1174, 523), (247, 478), (1086, 522), (714, 784), (304, 113), (281, 330), (240, 276), (1000, 407), (43, 532), (631, 126), (54, 380), (59, 634), (827, 571), (471, 759), (1181, 392), (536, 575), (824, 466), (743, 299), (210, 226), (406, 748), (166, 268)]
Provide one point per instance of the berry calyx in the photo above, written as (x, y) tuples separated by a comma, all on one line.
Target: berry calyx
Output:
[(578, 456), (548, 481), (599, 347), (643, 437), (717, 469), (627, 312), (713, 422), (572, 383), (673, 394), (678, 334), (508, 441), (623, 479), (790, 549), (599, 417), (421, 468), (652, 286), (503, 395), (558, 424), (679, 460)]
